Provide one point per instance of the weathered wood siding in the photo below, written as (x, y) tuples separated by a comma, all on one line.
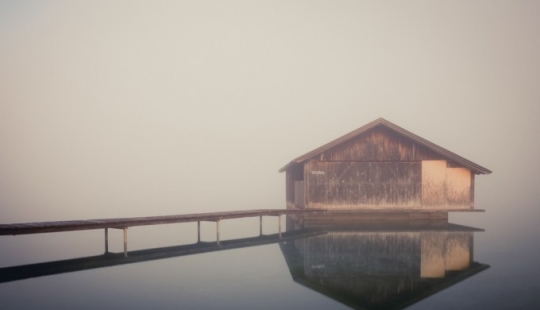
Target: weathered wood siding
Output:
[(348, 185), (299, 194), (433, 183), (293, 174), (444, 186), (429, 184), (471, 201), (380, 169), (379, 145), (458, 186)]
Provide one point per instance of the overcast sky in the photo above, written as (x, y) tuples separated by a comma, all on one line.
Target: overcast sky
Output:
[(139, 108)]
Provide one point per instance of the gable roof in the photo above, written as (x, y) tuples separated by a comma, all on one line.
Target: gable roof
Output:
[(382, 122)]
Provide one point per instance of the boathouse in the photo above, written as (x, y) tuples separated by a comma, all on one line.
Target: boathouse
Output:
[(381, 166)]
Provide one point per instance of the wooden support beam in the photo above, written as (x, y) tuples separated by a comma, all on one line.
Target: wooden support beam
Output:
[(279, 220), (198, 231), (106, 240), (260, 225), (217, 231), (125, 242)]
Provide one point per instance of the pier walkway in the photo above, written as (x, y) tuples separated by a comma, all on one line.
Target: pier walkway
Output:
[(123, 223)]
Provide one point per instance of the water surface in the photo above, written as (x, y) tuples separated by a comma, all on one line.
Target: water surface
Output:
[(333, 268)]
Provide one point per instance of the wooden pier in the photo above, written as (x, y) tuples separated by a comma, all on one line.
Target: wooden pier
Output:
[(122, 223), (125, 223)]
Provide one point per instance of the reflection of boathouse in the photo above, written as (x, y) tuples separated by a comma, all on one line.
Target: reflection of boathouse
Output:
[(382, 268), (381, 166)]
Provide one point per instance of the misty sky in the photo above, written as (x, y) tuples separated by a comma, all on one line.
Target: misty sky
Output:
[(139, 108)]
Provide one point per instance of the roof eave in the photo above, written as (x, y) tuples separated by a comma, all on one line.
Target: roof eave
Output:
[(287, 166)]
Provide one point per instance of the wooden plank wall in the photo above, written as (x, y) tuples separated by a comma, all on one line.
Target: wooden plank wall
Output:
[(458, 187), (445, 186), (299, 194), (293, 174), (433, 183), (349, 185), (379, 145)]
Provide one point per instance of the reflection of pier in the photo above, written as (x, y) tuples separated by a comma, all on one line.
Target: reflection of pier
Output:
[(377, 267), (113, 259)]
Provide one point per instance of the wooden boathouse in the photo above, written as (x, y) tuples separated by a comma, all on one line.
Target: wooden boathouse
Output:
[(381, 167)]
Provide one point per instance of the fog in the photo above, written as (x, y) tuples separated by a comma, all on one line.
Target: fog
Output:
[(124, 108)]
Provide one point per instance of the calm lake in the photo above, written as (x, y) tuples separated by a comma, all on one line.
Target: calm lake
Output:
[(482, 260)]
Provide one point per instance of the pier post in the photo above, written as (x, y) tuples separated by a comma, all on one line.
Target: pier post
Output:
[(198, 231), (279, 220), (125, 242), (260, 225), (217, 231), (106, 240)]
